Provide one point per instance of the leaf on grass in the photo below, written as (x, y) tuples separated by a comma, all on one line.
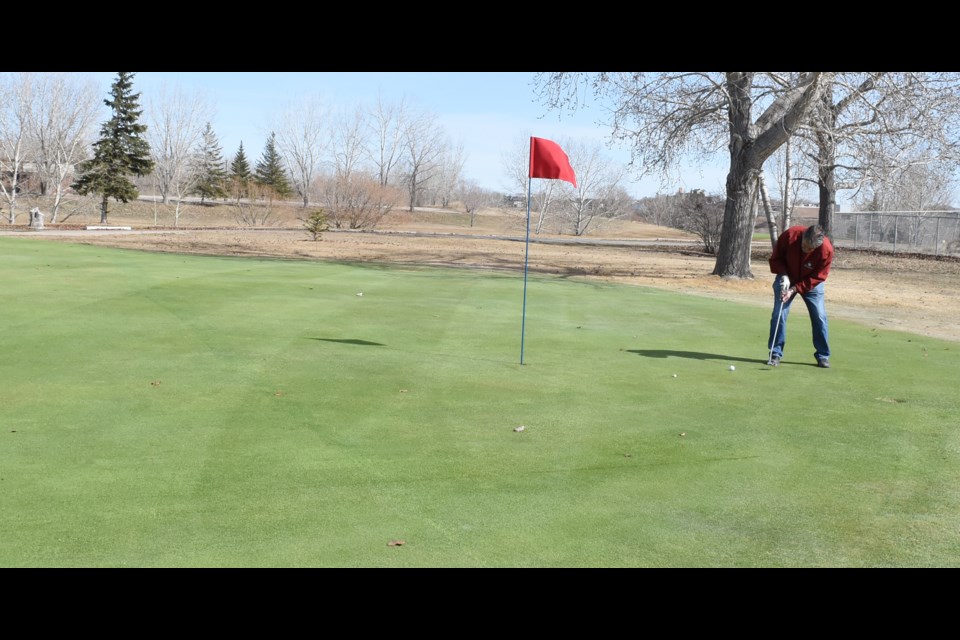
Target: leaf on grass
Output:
[(396, 543), (892, 400), (155, 383)]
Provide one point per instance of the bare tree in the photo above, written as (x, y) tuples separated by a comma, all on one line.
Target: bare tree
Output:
[(695, 115), (449, 175), (16, 97), (928, 186), (62, 123), (300, 141), (424, 144), (921, 190), (868, 124), (660, 210), (387, 127), (703, 215), (543, 194), (177, 122), (472, 197), (768, 209), (259, 209), (348, 142), (784, 166), (364, 151), (598, 192), (358, 201), (616, 203)]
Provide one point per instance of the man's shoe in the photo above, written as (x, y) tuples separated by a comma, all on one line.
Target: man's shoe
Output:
[(774, 361), (823, 363)]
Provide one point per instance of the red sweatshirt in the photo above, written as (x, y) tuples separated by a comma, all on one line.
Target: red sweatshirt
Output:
[(805, 271)]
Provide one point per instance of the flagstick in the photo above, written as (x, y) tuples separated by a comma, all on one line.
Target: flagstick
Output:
[(547, 160), (526, 260)]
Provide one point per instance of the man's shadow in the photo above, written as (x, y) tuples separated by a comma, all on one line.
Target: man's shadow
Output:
[(356, 341), (694, 355)]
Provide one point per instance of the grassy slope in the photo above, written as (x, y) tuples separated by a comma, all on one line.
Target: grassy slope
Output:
[(165, 410)]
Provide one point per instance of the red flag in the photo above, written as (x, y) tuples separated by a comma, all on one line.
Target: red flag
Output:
[(548, 160)]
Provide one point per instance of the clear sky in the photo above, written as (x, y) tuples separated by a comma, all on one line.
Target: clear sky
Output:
[(489, 112)]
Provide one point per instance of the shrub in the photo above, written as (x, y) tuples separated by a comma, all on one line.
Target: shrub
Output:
[(316, 223)]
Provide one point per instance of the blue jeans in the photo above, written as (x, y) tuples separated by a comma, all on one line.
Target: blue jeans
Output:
[(818, 321)]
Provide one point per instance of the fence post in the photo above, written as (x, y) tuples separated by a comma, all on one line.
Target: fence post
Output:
[(936, 240)]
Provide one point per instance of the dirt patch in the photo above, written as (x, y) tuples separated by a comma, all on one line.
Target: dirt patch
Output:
[(902, 293)]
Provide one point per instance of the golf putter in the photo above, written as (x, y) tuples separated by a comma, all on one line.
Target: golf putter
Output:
[(773, 342)]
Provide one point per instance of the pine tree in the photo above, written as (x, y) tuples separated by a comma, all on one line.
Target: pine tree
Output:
[(270, 171), (240, 173), (121, 150), (211, 175)]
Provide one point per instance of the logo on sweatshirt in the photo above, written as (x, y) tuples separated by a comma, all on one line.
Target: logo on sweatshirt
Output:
[(808, 265)]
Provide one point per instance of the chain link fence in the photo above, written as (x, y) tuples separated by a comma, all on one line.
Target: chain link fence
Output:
[(930, 232)]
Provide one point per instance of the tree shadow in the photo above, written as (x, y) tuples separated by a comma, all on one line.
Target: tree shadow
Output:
[(694, 355), (363, 343)]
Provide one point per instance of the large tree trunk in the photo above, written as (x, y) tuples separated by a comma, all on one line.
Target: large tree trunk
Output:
[(827, 161), (733, 254), (103, 210), (736, 237)]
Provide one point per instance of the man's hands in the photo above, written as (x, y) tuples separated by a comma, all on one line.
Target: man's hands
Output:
[(786, 290)]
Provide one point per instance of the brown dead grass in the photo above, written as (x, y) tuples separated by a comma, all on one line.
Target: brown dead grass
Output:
[(903, 293)]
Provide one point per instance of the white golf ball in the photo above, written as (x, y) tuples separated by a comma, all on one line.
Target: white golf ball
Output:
[(732, 368)]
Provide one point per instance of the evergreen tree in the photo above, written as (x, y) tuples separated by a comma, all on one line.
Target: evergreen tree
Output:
[(270, 170), (240, 173), (121, 150), (210, 171)]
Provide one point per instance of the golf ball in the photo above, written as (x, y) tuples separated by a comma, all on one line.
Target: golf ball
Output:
[(732, 368)]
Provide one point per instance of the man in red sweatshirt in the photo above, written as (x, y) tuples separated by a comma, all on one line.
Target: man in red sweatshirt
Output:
[(801, 259)]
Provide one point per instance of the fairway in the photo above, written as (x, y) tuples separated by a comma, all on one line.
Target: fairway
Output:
[(164, 410)]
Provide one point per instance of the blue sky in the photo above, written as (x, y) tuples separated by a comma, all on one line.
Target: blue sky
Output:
[(489, 112)]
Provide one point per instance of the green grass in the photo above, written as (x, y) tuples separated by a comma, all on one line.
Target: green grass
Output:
[(183, 411)]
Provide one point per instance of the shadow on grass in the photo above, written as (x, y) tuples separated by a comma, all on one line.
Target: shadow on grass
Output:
[(362, 343), (694, 355)]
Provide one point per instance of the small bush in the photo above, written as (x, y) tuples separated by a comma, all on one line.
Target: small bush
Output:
[(316, 223)]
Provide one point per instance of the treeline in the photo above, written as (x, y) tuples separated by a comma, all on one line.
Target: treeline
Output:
[(357, 164)]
